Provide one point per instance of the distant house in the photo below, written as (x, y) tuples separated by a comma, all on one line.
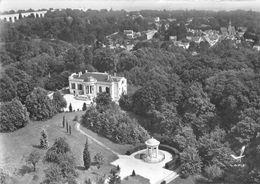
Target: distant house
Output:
[(173, 38), (224, 30), (157, 19), (256, 47), (129, 34), (150, 34), (89, 84)]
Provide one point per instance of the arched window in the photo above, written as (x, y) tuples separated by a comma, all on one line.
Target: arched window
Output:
[(79, 86), (100, 89), (107, 90)]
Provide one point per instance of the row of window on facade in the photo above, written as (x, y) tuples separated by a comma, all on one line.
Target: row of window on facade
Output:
[(89, 89)]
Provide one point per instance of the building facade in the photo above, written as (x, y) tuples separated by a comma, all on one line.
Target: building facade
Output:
[(89, 84)]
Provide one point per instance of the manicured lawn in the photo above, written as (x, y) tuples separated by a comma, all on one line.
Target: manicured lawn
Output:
[(135, 180), (189, 180), (17, 145)]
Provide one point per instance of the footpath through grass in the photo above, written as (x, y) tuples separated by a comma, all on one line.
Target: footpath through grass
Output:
[(17, 145)]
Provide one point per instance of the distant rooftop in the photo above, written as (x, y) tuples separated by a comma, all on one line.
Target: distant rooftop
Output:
[(101, 77)]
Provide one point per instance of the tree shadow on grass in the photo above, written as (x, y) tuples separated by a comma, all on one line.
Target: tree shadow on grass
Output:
[(81, 168), (36, 146), (24, 170)]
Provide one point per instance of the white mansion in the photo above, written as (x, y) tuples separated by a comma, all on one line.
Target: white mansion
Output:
[(89, 84)]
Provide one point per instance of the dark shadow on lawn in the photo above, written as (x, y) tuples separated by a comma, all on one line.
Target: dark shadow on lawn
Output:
[(81, 168), (24, 170), (36, 146)]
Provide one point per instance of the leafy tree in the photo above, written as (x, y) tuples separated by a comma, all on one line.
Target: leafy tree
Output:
[(39, 105), (99, 159), (103, 101), (247, 128), (63, 164), (44, 140), (114, 179), (7, 88), (125, 102), (214, 150), (88, 56), (13, 115), (33, 158), (127, 61), (53, 174), (183, 139), (114, 125), (24, 88), (104, 60), (86, 156), (74, 60), (59, 148), (59, 101), (190, 161), (148, 98), (213, 172)]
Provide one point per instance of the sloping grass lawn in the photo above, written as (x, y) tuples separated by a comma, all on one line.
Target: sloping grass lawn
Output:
[(189, 180), (17, 145), (135, 180)]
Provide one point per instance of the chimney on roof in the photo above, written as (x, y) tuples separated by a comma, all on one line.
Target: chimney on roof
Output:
[(115, 74), (108, 77), (80, 73)]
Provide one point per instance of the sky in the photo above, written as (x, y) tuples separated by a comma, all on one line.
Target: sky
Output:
[(132, 4)]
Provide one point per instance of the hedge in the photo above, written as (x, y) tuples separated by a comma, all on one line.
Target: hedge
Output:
[(135, 149)]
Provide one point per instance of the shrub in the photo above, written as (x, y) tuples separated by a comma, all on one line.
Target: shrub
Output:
[(114, 125), (170, 149), (76, 118), (13, 115), (135, 149), (44, 140), (99, 159), (63, 122), (33, 159), (213, 172), (118, 168), (59, 101), (86, 156), (39, 105), (59, 148), (133, 173), (190, 161), (70, 107), (84, 106), (63, 165), (125, 102)]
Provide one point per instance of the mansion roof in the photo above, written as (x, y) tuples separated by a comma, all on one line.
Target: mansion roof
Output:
[(100, 77)]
